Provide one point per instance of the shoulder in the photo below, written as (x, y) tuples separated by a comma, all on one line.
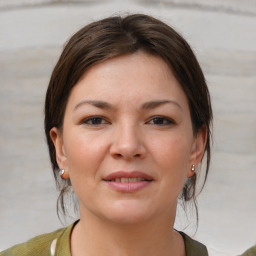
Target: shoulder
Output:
[(193, 247), (39, 245), (250, 252)]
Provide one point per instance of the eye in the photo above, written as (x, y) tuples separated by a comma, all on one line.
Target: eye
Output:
[(161, 121), (94, 121)]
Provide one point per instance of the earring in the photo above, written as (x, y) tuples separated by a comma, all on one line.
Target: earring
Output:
[(193, 168), (61, 172)]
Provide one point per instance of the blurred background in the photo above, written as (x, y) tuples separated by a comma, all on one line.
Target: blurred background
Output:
[(223, 36)]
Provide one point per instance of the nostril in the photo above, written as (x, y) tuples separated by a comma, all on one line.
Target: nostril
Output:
[(127, 150), (118, 155)]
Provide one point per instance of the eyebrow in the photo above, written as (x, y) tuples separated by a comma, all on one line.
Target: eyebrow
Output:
[(157, 103), (146, 105), (96, 103)]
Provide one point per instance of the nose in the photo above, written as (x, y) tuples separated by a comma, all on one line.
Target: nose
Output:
[(127, 143)]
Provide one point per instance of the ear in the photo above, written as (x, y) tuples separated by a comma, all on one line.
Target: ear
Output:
[(197, 151), (61, 158)]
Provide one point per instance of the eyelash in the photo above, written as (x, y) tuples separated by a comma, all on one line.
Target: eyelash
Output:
[(94, 118), (167, 121), (163, 121)]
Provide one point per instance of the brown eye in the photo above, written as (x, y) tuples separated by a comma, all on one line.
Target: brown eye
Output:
[(161, 121), (95, 120)]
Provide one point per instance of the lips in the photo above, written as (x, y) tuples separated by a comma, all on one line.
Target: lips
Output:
[(124, 180), (128, 181), (129, 175)]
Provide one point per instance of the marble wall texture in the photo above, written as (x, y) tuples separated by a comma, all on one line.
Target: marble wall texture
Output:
[(223, 35)]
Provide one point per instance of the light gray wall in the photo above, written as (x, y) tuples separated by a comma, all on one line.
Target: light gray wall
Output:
[(223, 35)]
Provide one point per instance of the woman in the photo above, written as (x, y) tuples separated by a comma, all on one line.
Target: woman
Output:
[(127, 121)]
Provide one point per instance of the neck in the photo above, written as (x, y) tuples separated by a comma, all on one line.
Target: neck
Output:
[(94, 237)]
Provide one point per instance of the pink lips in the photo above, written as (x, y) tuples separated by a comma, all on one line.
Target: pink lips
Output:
[(133, 185)]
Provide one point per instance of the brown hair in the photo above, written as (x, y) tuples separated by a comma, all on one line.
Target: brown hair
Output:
[(116, 36)]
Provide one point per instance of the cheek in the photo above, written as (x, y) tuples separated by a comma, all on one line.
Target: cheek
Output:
[(171, 150), (84, 151), (83, 159), (172, 158)]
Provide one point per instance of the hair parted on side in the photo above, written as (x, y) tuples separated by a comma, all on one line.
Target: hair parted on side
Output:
[(115, 36)]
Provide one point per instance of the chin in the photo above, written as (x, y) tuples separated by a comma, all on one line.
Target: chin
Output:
[(126, 213), (125, 219)]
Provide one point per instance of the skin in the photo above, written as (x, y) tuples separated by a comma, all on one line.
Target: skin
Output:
[(157, 140)]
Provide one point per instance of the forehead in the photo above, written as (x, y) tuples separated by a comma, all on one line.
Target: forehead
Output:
[(128, 78)]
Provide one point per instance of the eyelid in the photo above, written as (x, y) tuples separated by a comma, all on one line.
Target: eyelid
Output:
[(90, 118), (168, 119)]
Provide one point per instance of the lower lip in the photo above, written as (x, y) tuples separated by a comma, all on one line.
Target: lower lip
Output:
[(128, 187)]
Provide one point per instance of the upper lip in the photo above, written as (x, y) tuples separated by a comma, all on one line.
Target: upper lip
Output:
[(124, 174)]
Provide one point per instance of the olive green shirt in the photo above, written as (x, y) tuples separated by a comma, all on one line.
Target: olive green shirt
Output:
[(250, 252), (57, 243)]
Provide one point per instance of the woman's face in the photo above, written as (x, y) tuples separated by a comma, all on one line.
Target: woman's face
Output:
[(127, 142)]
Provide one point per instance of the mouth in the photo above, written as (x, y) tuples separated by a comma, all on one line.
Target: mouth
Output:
[(125, 180), (128, 182)]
